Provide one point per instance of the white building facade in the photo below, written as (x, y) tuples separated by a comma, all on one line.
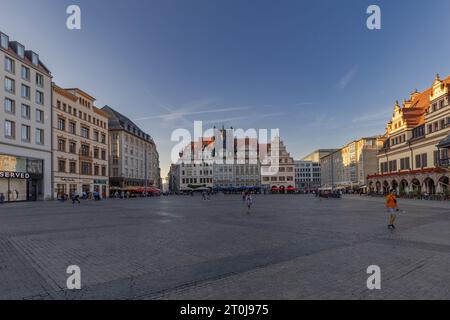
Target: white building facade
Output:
[(25, 117), (307, 175)]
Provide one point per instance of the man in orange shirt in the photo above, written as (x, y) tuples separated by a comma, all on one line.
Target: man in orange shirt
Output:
[(391, 204)]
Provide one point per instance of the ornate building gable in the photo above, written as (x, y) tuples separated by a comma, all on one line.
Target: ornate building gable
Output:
[(410, 114), (439, 88)]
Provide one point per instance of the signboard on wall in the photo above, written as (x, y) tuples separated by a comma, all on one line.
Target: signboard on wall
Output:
[(14, 175)]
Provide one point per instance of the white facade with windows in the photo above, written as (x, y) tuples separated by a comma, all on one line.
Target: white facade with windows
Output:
[(25, 118), (133, 159), (307, 175)]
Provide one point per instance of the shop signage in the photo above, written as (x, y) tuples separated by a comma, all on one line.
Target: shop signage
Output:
[(100, 182), (14, 175)]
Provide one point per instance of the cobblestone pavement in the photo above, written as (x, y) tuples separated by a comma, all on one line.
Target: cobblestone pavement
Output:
[(289, 247)]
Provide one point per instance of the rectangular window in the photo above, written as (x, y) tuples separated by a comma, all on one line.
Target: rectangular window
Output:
[(25, 91), (10, 106), (436, 126), (39, 136), (34, 58), (393, 165), (418, 161), (61, 165), (25, 73), (103, 154), (96, 136), (9, 65), (85, 132), (436, 158), (39, 97), (73, 167), (72, 127), (4, 41), (404, 164), (10, 85), (103, 138), (62, 145), (39, 80), (424, 160), (26, 132), (21, 51), (61, 124), (104, 171), (39, 116), (86, 168), (85, 150), (10, 129), (73, 147), (96, 170), (26, 111)]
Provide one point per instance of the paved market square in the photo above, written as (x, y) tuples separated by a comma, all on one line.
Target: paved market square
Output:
[(181, 247)]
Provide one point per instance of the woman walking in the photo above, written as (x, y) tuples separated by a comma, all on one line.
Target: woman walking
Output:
[(249, 202)]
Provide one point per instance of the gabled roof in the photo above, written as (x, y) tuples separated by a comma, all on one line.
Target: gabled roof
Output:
[(413, 110)]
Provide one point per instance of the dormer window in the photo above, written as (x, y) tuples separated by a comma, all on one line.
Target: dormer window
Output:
[(4, 41), (21, 51), (34, 58)]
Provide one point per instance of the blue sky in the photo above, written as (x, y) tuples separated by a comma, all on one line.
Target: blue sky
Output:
[(310, 68)]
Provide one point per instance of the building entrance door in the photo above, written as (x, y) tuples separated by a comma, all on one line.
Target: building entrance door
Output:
[(32, 190)]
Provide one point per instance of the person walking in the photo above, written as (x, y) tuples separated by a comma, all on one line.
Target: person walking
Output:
[(249, 202), (2, 198), (392, 207), (75, 197)]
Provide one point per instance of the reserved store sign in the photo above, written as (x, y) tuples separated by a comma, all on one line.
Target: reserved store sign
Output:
[(14, 175)]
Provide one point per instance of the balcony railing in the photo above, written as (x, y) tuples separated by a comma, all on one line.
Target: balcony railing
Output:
[(444, 163)]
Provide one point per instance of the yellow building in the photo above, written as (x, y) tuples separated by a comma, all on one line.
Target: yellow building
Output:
[(348, 167), (80, 143), (415, 157)]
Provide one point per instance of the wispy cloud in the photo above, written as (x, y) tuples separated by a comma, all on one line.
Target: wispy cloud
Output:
[(302, 104), (247, 118), (347, 78), (178, 114)]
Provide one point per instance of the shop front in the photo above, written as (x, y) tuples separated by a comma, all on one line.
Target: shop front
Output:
[(21, 179), (101, 187)]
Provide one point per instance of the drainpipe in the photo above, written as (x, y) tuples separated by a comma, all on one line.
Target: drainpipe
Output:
[(52, 169)]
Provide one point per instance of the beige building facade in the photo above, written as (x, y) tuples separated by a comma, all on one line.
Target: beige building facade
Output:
[(80, 144), (348, 167), (415, 157), (277, 167)]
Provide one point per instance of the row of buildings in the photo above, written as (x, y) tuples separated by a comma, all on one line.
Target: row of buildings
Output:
[(227, 162), (56, 141), (411, 157)]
